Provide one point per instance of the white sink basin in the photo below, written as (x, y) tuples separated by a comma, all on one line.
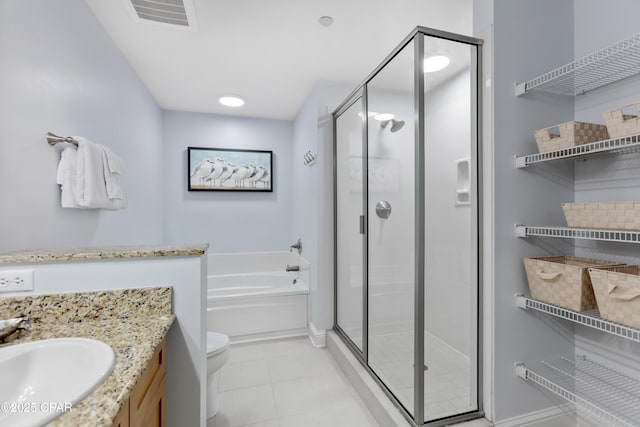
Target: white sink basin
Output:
[(40, 380)]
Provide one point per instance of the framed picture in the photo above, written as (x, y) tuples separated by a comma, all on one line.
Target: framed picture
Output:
[(223, 169)]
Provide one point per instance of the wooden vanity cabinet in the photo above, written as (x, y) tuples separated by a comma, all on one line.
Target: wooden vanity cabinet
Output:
[(122, 420), (146, 404)]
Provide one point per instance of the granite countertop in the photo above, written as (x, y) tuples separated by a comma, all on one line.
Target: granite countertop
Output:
[(133, 324), (107, 252)]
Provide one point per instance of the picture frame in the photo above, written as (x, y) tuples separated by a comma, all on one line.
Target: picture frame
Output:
[(226, 169)]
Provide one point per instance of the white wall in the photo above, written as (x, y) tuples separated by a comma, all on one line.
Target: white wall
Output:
[(312, 193), (449, 284), (228, 221), (60, 72), (610, 178), (530, 37), (186, 340)]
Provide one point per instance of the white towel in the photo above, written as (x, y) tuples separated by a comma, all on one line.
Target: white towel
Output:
[(114, 178), (91, 177), (66, 177)]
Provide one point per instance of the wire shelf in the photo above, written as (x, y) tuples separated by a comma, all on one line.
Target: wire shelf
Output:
[(620, 236), (608, 65), (625, 144), (590, 318), (609, 395)]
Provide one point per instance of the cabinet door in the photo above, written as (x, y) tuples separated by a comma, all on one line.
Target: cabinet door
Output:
[(152, 411), (147, 403), (122, 420)]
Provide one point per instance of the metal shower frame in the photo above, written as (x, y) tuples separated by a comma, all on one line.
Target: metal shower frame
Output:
[(360, 95)]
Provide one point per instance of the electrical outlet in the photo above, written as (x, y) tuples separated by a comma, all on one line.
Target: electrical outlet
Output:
[(16, 280)]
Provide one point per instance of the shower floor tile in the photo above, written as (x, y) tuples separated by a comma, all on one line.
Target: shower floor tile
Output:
[(447, 377)]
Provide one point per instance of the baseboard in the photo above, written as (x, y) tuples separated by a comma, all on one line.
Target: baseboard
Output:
[(290, 333), (548, 414), (318, 337)]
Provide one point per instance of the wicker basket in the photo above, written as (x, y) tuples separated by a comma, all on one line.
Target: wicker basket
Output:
[(617, 291), (613, 215), (620, 124), (563, 280), (569, 134)]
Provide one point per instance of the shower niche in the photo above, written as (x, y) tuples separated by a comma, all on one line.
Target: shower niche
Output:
[(407, 226)]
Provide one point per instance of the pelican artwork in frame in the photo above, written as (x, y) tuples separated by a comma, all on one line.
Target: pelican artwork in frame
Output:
[(224, 169)]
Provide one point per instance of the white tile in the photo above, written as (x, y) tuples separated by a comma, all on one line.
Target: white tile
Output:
[(243, 374), (299, 396), (300, 365), (353, 415), (310, 394), (271, 423), (246, 352), (482, 422), (314, 419), (246, 406), (287, 383), (287, 347)]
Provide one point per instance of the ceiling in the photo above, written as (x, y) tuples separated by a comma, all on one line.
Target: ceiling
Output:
[(269, 52)]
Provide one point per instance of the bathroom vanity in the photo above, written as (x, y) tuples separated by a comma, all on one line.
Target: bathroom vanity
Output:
[(134, 323), (131, 272)]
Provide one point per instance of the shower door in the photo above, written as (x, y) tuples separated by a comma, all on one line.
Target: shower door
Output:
[(407, 280), (350, 221), (392, 232)]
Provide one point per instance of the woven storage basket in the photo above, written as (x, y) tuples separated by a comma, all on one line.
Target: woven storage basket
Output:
[(563, 280), (569, 134), (620, 124), (612, 215), (617, 291)]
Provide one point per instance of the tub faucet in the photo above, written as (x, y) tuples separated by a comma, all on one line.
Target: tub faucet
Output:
[(297, 245), (292, 268)]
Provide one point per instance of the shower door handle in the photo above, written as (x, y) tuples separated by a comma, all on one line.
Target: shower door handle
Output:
[(361, 224)]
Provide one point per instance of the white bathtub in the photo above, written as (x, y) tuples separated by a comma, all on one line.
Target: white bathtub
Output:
[(234, 286), (250, 304)]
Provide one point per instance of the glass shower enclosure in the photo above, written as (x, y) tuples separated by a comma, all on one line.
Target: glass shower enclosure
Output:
[(407, 206)]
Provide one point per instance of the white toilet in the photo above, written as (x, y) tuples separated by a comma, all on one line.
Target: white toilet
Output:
[(217, 356)]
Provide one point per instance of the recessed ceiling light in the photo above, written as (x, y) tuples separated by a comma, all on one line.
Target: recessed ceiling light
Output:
[(231, 101), (325, 21), (435, 63), (382, 117)]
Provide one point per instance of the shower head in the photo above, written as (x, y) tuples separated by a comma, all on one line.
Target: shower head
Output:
[(396, 125)]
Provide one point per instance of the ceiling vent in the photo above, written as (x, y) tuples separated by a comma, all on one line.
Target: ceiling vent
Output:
[(176, 13)]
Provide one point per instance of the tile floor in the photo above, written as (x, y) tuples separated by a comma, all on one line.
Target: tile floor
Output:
[(286, 383)]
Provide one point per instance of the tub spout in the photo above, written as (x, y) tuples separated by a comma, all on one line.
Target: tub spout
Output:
[(292, 268)]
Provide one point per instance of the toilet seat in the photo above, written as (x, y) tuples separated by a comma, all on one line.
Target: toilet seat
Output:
[(216, 343)]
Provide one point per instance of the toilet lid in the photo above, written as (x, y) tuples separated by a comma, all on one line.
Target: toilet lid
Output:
[(216, 342)]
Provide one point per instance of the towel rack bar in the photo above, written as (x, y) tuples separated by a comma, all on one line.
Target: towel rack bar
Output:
[(53, 139)]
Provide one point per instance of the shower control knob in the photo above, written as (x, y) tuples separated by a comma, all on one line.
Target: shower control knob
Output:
[(383, 209)]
